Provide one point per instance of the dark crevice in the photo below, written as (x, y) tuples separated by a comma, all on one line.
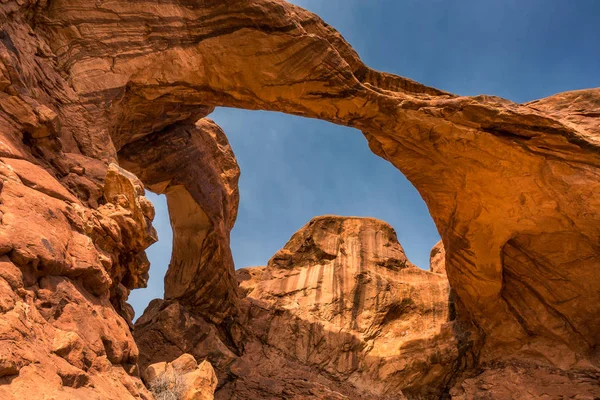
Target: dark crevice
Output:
[(8, 43)]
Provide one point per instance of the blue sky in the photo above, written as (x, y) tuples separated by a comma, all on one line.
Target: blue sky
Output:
[(295, 168)]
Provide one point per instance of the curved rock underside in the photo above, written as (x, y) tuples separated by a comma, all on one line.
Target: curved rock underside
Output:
[(513, 190)]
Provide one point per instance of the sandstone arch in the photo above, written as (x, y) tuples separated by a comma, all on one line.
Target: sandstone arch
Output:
[(196, 169), (466, 156), (512, 188)]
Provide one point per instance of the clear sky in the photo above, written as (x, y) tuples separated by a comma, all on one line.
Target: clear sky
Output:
[(295, 168)]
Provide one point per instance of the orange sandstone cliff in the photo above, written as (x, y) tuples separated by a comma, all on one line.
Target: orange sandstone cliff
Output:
[(99, 99), (339, 312)]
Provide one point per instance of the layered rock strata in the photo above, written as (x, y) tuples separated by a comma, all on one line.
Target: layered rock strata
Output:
[(339, 307), (196, 169), (65, 273), (512, 188)]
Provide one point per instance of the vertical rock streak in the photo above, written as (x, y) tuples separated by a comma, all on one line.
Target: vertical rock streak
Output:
[(513, 190)]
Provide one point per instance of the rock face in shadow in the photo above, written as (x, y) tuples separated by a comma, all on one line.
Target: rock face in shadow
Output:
[(518, 379), (340, 307), (513, 189), (196, 169)]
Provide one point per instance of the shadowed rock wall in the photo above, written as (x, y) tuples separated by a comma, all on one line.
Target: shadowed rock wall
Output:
[(512, 188), (496, 176)]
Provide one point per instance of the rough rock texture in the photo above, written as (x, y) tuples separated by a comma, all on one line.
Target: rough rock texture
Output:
[(196, 168), (522, 380), (513, 189), (342, 297), (437, 259), (65, 273), (340, 302), (167, 329), (183, 377)]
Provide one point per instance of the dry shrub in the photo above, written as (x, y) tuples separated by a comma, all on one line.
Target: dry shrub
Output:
[(168, 386)]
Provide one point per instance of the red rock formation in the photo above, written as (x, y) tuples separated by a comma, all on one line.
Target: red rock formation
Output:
[(513, 189), (183, 378), (437, 259), (65, 273), (339, 306), (195, 166), (522, 201)]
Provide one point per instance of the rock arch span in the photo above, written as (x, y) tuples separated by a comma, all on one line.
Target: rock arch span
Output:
[(512, 188), (466, 156)]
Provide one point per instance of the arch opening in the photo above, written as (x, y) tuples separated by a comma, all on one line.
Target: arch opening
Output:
[(293, 169)]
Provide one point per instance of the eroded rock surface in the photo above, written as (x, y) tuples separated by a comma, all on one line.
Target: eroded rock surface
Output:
[(520, 379), (183, 379), (196, 169), (437, 259), (513, 189), (65, 273), (340, 307)]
